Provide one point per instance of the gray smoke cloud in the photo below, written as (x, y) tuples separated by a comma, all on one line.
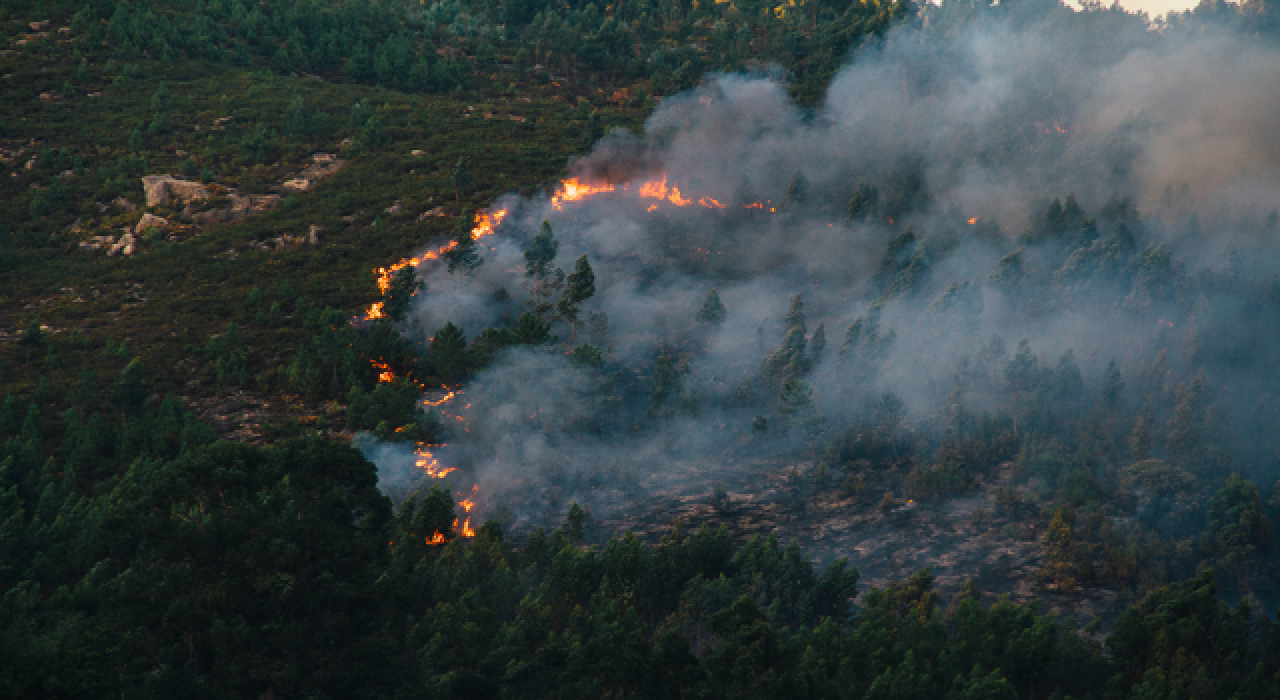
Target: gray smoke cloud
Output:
[(982, 120)]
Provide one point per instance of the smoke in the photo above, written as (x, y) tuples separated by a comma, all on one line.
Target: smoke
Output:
[(965, 130)]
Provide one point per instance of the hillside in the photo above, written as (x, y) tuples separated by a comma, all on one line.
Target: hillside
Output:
[(356, 348)]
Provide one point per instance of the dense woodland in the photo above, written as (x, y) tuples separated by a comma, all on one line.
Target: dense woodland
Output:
[(143, 556)]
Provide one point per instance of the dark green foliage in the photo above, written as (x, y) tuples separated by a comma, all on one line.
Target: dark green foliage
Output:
[(227, 353), (1238, 529), (580, 285), (404, 286), (463, 255), (588, 356), (790, 360), (712, 310), (449, 357)]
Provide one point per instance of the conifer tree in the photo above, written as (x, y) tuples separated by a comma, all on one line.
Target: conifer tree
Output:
[(463, 255), (790, 360), (580, 286), (544, 278), (461, 178), (712, 310)]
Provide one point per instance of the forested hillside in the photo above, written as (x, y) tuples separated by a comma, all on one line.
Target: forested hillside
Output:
[(663, 348)]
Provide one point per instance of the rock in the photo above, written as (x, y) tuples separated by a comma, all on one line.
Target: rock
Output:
[(124, 246), (322, 165), (122, 203), (417, 153), (240, 207), (395, 208), (148, 220), (40, 26), (164, 189), (433, 213), (297, 185), (313, 236), (31, 164)]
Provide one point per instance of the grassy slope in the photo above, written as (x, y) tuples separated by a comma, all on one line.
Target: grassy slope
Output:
[(192, 288)]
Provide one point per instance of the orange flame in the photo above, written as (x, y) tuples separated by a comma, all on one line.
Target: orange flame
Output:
[(572, 190), (466, 530), (446, 399), (384, 371), (485, 223), (426, 459), (973, 221)]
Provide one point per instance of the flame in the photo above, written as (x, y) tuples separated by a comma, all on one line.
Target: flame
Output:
[(485, 223), (1164, 322), (384, 371), (426, 459), (446, 399), (572, 190), (973, 221)]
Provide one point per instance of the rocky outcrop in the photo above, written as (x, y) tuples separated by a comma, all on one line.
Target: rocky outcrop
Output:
[(237, 208), (124, 246), (124, 205), (149, 220), (163, 190), (322, 165)]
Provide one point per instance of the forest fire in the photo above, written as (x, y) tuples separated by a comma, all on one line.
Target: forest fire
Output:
[(426, 459), (486, 222), (572, 190), (385, 373)]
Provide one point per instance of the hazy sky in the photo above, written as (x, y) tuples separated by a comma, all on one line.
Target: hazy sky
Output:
[(1155, 8)]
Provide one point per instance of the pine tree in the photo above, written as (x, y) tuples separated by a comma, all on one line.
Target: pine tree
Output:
[(712, 311), (545, 279), (448, 356), (461, 177), (1140, 440), (404, 285), (1186, 429), (1060, 545), (464, 254), (664, 382), (1238, 527), (297, 119), (790, 360), (1112, 387), (862, 203), (580, 286), (1021, 376), (818, 343)]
